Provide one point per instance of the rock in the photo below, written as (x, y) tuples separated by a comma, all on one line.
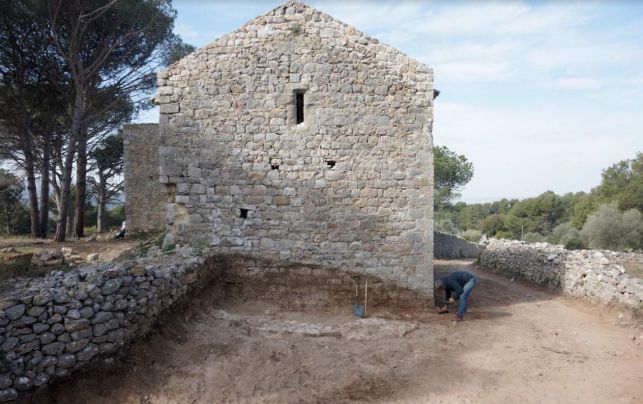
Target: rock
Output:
[(22, 383), (90, 238), (47, 337), (39, 328), (71, 280), (66, 251), (168, 242), (86, 312), (87, 353), (35, 311), (41, 379), (55, 348), (8, 250), (101, 317), (75, 346), (57, 328), (66, 361), (5, 381), (9, 344), (8, 395), (93, 257), (14, 312), (48, 258), (111, 286), (73, 314), (76, 325)]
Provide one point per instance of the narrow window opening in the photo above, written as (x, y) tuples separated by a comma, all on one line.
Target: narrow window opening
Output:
[(299, 107), (243, 213), (274, 166), (330, 163)]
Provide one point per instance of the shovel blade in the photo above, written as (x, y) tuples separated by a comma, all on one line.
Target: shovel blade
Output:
[(358, 310)]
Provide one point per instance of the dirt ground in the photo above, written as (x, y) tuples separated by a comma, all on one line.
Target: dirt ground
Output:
[(517, 345), (107, 249)]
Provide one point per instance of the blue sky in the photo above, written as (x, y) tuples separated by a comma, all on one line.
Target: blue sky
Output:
[(538, 95)]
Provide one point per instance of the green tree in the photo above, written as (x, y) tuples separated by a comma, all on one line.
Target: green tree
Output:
[(108, 161), (10, 193), (623, 183), (611, 229), (451, 172)]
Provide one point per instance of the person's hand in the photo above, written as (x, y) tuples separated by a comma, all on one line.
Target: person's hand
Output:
[(451, 300)]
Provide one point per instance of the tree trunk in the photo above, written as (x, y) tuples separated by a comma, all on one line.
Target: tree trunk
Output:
[(61, 226), (100, 216), (31, 190), (44, 186), (81, 187)]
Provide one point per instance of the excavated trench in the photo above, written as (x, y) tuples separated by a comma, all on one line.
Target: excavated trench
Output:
[(265, 332)]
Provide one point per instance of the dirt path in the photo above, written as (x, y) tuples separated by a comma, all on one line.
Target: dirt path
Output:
[(518, 345)]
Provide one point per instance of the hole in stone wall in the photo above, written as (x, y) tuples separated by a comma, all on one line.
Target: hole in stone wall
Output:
[(274, 166), (243, 213), (330, 163), (299, 106)]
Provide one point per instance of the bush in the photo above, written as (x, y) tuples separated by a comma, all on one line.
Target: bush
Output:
[(567, 235), (472, 235), (610, 229), (533, 237)]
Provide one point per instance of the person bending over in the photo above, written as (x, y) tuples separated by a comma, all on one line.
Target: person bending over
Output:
[(457, 285)]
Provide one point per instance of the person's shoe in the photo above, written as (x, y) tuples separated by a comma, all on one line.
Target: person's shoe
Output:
[(458, 318), (443, 311)]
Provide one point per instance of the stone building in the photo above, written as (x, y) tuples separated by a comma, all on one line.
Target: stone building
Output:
[(299, 139)]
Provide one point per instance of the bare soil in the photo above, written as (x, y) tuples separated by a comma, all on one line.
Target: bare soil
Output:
[(516, 345), (106, 247)]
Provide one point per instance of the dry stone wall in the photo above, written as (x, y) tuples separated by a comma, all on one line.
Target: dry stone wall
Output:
[(349, 187), (50, 327), (144, 196), (589, 274), (448, 246)]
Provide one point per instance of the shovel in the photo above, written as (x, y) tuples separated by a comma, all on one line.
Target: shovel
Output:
[(358, 309)]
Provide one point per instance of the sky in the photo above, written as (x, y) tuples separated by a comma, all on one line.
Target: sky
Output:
[(537, 95)]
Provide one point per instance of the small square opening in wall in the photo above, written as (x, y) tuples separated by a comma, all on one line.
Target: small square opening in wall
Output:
[(330, 163), (274, 166), (243, 213)]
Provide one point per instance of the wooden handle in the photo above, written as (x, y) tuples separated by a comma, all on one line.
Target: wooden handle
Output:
[(365, 297)]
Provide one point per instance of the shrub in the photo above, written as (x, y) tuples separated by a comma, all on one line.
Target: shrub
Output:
[(533, 237), (472, 235), (610, 229)]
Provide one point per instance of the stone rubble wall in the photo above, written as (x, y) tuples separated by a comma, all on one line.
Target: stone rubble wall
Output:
[(448, 246), (593, 275), (350, 187), (51, 326), (145, 197)]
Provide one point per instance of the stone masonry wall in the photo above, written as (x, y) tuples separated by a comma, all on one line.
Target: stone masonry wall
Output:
[(350, 187), (594, 275), (50, 327), (448, 246), (145, 197)]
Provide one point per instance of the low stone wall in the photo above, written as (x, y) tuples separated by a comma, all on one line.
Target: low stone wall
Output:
[(52, 326), (589, 274), (447, 246)]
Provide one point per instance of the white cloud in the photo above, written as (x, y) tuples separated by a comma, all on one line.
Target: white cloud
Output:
[(578, 83)]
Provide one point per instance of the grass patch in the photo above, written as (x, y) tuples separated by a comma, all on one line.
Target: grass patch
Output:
[(21, 267)]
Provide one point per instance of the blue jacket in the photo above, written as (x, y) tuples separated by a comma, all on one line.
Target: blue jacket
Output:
[(454, 282)]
